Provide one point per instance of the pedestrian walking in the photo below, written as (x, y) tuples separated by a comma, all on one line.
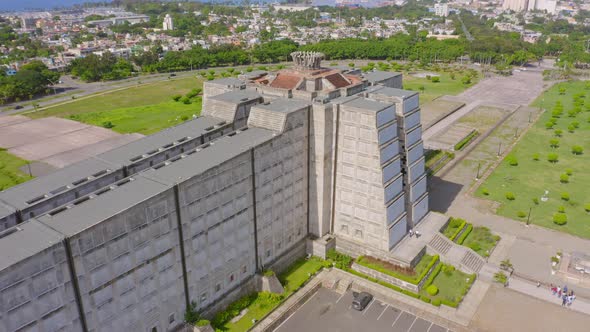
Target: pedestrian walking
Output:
[(553, 289), (558, 291), (565, 289), (564, 300)]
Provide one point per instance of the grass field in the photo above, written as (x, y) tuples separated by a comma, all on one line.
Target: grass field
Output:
[(481, 240), (451, 284), (531, 178), (10, 175), (446, 86), (142, 109)]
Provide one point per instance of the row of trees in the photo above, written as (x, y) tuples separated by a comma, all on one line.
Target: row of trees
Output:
[(32, 79)]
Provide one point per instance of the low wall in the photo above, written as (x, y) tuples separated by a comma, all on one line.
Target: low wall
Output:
[(385, 277), (297, 251), (247, 287), (355, 250)]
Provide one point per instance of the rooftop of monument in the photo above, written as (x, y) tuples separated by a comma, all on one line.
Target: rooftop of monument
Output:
[(367, 104), (391, 92), (284, 105), (237, 96)]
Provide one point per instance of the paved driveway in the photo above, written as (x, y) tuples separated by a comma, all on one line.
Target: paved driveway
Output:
[(329, 311)]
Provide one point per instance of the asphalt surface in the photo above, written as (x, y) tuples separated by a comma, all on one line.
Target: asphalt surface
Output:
[(327, 310)]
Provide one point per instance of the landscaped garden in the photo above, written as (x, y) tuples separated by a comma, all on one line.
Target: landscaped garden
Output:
[(479, 239), (437, 159), (413, 276), (546, 173), (439, 83), (447, 285), (10, 173)]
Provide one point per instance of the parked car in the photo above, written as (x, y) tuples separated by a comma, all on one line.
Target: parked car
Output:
[(18, 107), (361, 301)]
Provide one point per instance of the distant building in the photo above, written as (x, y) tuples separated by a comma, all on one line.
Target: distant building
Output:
[(120, 20), (441, 9), (168, 24), (515, 5), (529, 5)]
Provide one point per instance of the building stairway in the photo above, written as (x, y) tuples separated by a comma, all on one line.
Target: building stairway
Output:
[(440, 244), (455, 254), (472, 261)]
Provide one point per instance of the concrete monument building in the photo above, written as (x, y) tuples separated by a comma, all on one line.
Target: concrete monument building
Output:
[(277, 165)]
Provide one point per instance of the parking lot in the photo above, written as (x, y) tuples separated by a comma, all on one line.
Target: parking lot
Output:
[(330, 311)]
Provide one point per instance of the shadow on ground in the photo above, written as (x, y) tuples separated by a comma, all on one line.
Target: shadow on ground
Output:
[(442, 193)]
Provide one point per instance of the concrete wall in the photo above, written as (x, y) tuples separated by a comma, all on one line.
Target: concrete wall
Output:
[(385, 277), (36, 294), (281, 189), (217, 219), (129, 269)]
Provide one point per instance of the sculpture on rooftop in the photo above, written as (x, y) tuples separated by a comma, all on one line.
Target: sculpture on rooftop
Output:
[(307, 60)]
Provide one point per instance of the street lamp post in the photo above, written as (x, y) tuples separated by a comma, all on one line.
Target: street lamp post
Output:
[(499, 148), (528, 218)]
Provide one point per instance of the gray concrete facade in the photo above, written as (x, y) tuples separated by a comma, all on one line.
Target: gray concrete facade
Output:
[(124, 241)]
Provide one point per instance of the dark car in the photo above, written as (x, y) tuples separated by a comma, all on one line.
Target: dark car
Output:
[(361, 301), (18, 107), (172, 75)]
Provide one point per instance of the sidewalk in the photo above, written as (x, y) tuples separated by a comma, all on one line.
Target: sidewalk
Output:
[(542, 293)]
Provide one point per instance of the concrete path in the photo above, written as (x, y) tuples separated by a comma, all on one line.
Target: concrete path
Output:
[(580, 304)]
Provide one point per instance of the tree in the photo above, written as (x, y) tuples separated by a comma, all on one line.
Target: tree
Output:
[(506, 265), (553, 157), (500, 277), (558, 132), (435, 79), (554, 143), (564, 178), (560, 218), (577, 149)]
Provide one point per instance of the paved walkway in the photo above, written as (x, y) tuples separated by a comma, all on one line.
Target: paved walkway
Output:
[(525, 287)]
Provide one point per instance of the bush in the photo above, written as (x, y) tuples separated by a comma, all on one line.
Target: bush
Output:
[(425, 298), (435, 79), (569, 171), (436, 302), (108, 124), (194, 92), (432, 290), (176, 97), (575, 124), (520, 214), (510, 196), (268, 273), (535, 200), (184, 117), (571, 128), (485, 191), (500, 277), (565, 196), (512, 161), (553, 157), (536, 156), (558, 132), (186, 100), (413, 279), (549, 125), (560, 219), (587, 207), (564, 178), (475, 246), (577, 149), (433, 275), (202, 322), (554, 143), (342, 261), (556, 113), (561, 209)]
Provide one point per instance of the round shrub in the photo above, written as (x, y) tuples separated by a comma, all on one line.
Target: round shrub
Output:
[(575, 124), (560, 219), (558, 132), (510, 196), (536, 157), (485, 191), (587, 207), (512, 161), (436, 302), (571, 128), (561, 209), (553, 157), (432, 290), (569, 171), (565, 196), (521, 214), (549, 125), (564, 178), (535, 200), (577, 149), (425, 298), (554, 143), (475, 246)]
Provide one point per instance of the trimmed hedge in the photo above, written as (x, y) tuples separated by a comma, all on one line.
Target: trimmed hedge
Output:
[(463, 236), (433, 275), (465, 141), (415, 280), (435, 302), (425, 298), (461, 226), (383, 283)]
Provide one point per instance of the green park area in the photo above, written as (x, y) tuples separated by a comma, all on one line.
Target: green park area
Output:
[(10, 174), (546, 173), (143, 109), (479, 239), (439, 83), (447, 285)]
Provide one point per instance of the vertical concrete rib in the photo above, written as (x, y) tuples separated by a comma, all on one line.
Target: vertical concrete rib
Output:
[(337, 109), (75, 285), (309, 152), (258, 268), (181, 241)]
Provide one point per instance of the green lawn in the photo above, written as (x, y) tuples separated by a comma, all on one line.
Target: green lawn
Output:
[(453, 228), (10, 174), (452, 284), (531, 178), (292, 280), (143, 119), (143, 109), (481, 240), (446, 86)]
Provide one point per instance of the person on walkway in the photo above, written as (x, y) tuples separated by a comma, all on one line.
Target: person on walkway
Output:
[(553, 289), (565, 289), (564, 300), (411, 232), (558, 291)]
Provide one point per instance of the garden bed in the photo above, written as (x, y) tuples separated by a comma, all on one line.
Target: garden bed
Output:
[(413, 276), (482, 241), (451, 285)]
